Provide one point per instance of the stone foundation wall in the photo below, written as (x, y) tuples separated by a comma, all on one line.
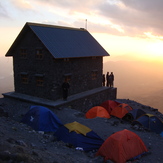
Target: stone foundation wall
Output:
[(19, 104), (83, 104)]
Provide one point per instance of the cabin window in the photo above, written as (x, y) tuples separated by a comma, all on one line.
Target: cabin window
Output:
[(67, 77), (39, 80), (39, 54), (94, 74), (94, 57), (23, 53), (66, 59), (24, 78)]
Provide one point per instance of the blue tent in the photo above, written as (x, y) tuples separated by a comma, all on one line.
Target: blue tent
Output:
[(161, 134), (88, 142), (41, 119), (150, 122), (134, 114)]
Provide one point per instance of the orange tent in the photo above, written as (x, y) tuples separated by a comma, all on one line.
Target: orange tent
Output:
[(109, 105), (97, 111), (121, 110), (122, 146)]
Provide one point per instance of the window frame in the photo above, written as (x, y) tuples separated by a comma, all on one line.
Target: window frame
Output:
[(94, 74), (23, 53), (67, 77), (39, 79), (24, 77), (66, 59), (39, 54)]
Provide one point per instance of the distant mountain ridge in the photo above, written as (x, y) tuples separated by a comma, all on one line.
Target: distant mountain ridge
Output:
[(139, 81)]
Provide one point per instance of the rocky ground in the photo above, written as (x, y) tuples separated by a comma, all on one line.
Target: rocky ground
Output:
[(20, 144)]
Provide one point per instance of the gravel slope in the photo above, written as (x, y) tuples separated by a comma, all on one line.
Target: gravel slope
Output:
[(19, 143)]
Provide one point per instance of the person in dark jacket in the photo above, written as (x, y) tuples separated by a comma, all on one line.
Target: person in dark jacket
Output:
[(107, 79), (65, 88), (111, 79), (103, 80)]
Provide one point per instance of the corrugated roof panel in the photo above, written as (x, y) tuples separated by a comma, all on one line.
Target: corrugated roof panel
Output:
[(68, 42)]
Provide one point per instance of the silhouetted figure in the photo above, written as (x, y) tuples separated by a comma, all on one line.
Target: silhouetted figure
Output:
[(103, 80), (65, 88), (107, 79), (111, 79)]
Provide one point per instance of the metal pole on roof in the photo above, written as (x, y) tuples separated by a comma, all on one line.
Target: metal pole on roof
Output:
[(86, 24)]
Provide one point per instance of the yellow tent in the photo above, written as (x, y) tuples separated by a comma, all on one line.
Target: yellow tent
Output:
[(78, 128)]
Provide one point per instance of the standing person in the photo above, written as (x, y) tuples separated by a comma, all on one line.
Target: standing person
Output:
[(65, 88), (111, 79), (103, 80), (107, 79)]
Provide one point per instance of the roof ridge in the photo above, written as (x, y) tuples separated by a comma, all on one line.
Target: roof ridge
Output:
[(54, 26)]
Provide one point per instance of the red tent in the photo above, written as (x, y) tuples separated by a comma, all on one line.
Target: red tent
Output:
[(121, 110), (109, 105), (97, 111), (122, 146)]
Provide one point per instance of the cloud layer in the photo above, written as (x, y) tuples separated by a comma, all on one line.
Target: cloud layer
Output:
[(117, 17)]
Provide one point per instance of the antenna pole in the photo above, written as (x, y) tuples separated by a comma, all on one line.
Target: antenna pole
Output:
[(86, 24)]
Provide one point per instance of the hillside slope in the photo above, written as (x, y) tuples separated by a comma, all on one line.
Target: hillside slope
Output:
[(19, 143)]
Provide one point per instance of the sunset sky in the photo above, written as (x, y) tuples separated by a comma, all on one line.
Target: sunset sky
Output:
[(127, 29)]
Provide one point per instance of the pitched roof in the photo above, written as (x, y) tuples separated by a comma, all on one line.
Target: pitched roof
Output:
[(64, 42)]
